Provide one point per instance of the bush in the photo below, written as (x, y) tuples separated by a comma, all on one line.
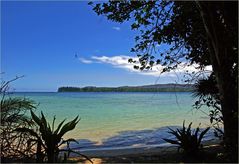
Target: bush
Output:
[(14, 145), (50, 139), (187, 139)]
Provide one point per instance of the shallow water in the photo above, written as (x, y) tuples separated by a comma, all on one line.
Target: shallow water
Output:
[(114, 119)]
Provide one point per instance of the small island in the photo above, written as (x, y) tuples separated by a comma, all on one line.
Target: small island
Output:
[(145, 88)]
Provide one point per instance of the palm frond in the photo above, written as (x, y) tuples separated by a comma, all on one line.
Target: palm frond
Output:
[(204, 87), (15, 103)]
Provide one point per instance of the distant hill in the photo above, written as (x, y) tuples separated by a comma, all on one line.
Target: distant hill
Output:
[(144, 88)]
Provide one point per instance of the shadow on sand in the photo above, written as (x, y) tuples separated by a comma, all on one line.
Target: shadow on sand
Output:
[(128, 139)]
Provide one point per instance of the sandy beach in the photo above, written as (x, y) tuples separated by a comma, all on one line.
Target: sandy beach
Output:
[(141, 154), (129, 151)]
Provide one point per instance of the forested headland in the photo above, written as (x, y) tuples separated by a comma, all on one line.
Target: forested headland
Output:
[(145, 88)]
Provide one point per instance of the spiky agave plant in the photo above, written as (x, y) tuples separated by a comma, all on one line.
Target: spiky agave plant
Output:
[(50, 139), (187, 139)]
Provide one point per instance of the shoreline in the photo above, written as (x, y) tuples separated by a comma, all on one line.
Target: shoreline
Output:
[(137, 150), (154, 154)]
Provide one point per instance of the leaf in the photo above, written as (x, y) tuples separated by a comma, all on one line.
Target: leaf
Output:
[(59, 126), (68, 126), (183, 126), (27, 130), (171, 141), (44, 129), (189, 128), (158, 61), (90, 3), (220, 130), (69, 140), (202, 134), (35, 118), (175, 133), (43, 119), (196, 132), (211, 119), (135, 26), (53, 123), (130, 60), (136, 67)]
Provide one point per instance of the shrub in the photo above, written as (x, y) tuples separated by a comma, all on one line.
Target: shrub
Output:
[(187, 139), (13, 111), (50, 139)]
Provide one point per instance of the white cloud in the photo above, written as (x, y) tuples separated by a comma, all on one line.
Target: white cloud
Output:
[(86, 61), (113, 60), (121, 61), (116, 28)]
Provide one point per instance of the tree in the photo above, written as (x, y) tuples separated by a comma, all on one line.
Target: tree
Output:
[(13, 115), (223, 22), (202, 33)]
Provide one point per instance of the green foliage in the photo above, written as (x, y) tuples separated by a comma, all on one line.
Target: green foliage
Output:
[(206, 86), (170, 88), (187, 139), (193, 32), (208, 95), (13, 109), (50, 139), (178, 24), (14, 115), (175, 23)]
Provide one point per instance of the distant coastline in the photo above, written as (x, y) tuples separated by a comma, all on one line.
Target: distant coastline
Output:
[(143, 88)]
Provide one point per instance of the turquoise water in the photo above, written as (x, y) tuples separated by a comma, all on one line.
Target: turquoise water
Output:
[(106, 116)]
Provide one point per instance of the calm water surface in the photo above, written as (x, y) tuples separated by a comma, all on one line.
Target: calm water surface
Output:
[(120, 118)]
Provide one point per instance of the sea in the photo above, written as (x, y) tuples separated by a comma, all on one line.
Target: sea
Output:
[(120, 119)]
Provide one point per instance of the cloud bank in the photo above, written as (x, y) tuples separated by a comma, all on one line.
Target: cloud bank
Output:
[(121, 61), (85, 61)]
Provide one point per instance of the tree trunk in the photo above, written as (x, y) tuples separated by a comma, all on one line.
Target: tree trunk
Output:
[(51, 156), (39, 154), (229, 112), (222, 62)]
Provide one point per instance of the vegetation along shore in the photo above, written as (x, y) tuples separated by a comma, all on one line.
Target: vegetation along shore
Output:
[(144, 88)]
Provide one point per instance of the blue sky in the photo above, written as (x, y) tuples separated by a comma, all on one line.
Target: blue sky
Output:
[(40, 39)]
